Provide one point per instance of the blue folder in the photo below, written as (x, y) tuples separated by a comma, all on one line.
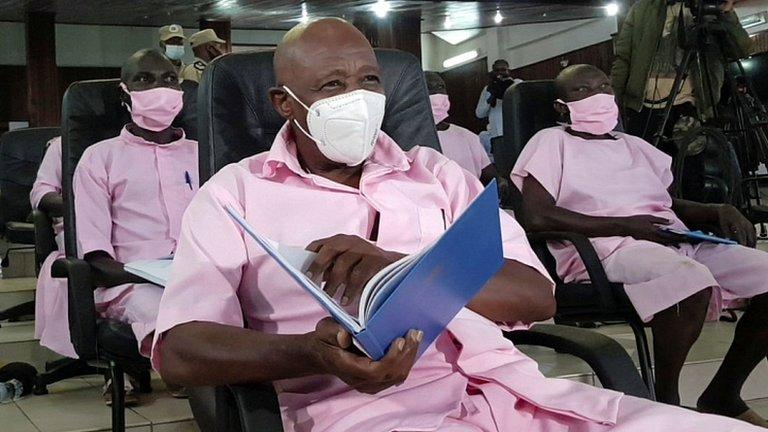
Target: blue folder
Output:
[(424, 291), (700, 236)]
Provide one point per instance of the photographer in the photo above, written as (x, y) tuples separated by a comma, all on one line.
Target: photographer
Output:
[(649, 52), (489, 104)]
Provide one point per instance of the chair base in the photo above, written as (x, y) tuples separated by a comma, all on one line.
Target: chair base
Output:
[(62, 369), (15, 313)]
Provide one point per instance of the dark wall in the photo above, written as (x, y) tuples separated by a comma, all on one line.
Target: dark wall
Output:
[(13, 88), (464, 85), (13, 94), (600, 55)]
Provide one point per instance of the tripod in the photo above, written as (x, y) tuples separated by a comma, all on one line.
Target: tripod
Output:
[(748, 131), (693, 40)]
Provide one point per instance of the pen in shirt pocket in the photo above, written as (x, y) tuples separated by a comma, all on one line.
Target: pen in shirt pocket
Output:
[(188, 179)]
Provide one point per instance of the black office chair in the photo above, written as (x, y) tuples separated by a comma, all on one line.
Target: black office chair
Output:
[(237, 121), (527, 109), (21, 152), (92, 112)]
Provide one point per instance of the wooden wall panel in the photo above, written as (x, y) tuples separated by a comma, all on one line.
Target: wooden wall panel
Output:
[(464, 85), (13, 88), (760, 43), (43, 105), (13, 94), (399, 30), (600, 55)]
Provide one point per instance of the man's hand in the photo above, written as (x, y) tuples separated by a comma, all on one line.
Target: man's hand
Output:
[(330, 342), (647, 227), (735, 226), (346, 263), (727, 6)]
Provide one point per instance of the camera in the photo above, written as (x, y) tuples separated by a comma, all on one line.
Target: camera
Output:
[(701, 8), (498, 86)]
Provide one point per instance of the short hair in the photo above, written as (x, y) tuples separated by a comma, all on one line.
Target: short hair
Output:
[(500, 61), (129, 64)]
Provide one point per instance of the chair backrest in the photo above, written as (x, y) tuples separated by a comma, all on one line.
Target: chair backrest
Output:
[(527, 109), (21, 152), (92, 111), (237, 120)]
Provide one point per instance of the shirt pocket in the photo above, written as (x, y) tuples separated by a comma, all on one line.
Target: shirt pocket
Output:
[(432, 225)]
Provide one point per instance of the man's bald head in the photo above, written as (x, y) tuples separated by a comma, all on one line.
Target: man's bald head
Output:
[(307, 41), (581, 81), (147, 69), (322, 59), (319, 60)]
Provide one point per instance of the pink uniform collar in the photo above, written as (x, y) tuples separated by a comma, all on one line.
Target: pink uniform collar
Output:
[(386, 154), (127, 136)]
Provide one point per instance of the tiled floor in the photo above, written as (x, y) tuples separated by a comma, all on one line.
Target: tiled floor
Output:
[(76, 404)]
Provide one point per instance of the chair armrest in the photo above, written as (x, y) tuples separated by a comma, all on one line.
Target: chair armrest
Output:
[(590, 259), (20, 232), (607, 358), (247, 408), (82, 308), (45, 238)]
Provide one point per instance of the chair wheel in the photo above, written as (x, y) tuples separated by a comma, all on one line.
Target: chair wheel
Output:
[(40, 390)]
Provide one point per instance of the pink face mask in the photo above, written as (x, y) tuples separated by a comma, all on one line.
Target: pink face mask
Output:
[(154, 109), (440, 106), (596, 115)]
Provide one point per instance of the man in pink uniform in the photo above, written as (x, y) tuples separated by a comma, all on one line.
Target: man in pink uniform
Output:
[(458, 144), (131, 191), (613, 188), (230, 314), (51, 293)]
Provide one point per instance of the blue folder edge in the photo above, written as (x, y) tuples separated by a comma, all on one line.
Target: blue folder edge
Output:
[(701, 236)]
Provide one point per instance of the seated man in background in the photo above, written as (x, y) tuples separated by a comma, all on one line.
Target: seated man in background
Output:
[(613, 188), (458, 144), (131, 191), (51, 293), (230, 314)]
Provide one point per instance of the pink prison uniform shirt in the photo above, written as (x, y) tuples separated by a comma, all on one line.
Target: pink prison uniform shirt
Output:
[(130, 195), (50, 294), (470, 379), (626, 177), (464, 147)]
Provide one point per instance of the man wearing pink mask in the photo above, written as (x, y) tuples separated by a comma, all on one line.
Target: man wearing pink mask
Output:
[(334, 183), (458, 144), (131, 191), (613, 188)]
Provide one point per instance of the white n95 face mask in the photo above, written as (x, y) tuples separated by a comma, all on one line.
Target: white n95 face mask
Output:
[(345, 127)]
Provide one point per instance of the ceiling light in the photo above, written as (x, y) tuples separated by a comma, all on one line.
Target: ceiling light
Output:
[(448, 24), (498, 18), (459, 59), (226, 3), (380, 8), (455, 37), (612, 9), (304, 14)]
